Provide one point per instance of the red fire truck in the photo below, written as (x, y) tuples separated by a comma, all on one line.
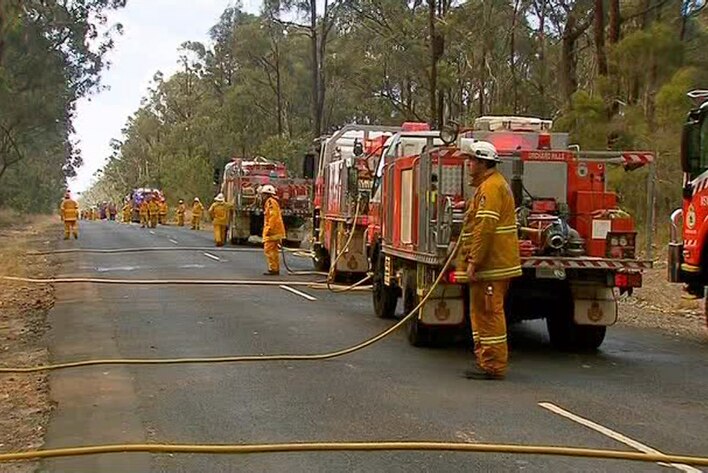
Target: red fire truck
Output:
[(240, 184), (688, 248), (346, 172), (577, 245)]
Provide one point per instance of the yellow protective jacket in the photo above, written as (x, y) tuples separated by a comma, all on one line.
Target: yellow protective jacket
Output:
[(197, 209), (273, 226), (69, 210), (181, 209), (153, 208), (144, 208), (219, 213), (163, 208), (489, 232)]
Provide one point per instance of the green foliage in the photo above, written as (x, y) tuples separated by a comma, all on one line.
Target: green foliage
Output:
[(50, 56)]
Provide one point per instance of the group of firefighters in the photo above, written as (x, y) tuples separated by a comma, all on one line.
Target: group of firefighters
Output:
[(153, 211), (488, 252)]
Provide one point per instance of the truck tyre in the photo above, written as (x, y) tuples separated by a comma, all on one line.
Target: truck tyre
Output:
[(566, 335), (385, 297), (320, 259), (418, 334)]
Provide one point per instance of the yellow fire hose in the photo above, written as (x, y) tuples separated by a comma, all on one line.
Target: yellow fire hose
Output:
[(143, 250), (305, 447), (225, 359), (358, 447)]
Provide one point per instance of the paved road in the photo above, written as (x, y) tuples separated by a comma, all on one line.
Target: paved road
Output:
[(648, 386)]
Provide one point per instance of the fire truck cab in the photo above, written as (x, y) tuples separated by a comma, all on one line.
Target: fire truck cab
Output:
[(577, 245), (688, 246)]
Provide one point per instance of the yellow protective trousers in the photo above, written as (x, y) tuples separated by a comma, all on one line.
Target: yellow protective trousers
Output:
[(270, 248), (71, 228), (219, 234), (196, 222), (180, 220), (153, 221), (489, 325)]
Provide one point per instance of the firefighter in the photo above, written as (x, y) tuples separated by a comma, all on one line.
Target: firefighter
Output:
[(144, 212), (181, 209), (154, 210), (489, 254), (69, 212), (127, 210), (163, 211), (273, 229), (197, 209), (219, 214)]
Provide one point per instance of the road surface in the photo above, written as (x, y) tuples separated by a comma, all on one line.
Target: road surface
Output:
[(645, 387)]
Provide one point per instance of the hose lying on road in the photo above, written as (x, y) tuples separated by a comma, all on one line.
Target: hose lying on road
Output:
[(161, 282), (243, 358), (145, 249), (359, 447)]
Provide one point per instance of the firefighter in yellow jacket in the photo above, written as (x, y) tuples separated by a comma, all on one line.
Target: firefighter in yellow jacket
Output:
[(154, 210), (144, 211), (127, 210), (489, 254), (69, 211), (273, 229), (163, 211), (197, 209), (181, 210), (219, 214)]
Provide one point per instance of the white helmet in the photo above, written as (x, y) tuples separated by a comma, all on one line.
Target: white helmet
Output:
[(479, 149), (219, 198), (196, 199), (267, 189)]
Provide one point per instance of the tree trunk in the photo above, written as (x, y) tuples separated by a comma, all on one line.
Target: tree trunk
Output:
[(599, 33), (316, 113), (543, 66), (569, 57), (433, 79), (279, 87), (512, 56), (482, 80), (614, 20)]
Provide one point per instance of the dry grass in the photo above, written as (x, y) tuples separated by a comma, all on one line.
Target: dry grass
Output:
[(24, 400)]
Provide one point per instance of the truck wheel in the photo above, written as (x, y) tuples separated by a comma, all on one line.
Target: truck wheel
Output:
[(418, 334), (385, 297), (320, 259), (566, 335)]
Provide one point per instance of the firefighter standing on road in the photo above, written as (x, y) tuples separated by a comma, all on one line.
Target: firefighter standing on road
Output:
[(154, 210), (127, 210), (181, 209), (273, 229), (69, 211), (144, 212), (163, 211), (197, 209), (489, 254), (219, 214)]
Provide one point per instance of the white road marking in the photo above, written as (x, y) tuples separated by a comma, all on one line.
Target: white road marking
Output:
[(173, 241), (151, 232), (299, 293), (614, 435), (209, 255)]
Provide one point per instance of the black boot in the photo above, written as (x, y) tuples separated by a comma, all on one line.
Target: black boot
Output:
[(478, 373)]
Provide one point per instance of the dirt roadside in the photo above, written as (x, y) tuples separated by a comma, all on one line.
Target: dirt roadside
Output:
[(25, 404), (661, 305)]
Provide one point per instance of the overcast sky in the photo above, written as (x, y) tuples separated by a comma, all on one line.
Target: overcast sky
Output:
[(153, 31)]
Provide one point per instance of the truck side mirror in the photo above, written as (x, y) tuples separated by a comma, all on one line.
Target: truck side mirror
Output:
[(308, 166)]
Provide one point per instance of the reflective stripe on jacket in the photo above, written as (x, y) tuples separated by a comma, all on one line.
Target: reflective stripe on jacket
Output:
[(489, 233)]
